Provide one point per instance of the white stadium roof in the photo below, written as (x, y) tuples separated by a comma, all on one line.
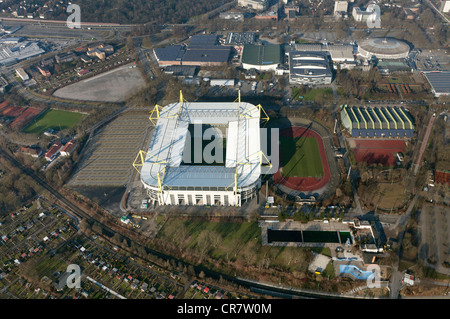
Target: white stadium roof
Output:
[(162, 165)]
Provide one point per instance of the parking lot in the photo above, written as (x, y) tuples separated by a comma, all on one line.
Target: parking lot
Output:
[(111, 86), (110, 155), (434, 237), (433, 61)]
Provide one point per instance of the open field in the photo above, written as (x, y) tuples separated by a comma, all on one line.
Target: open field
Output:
[(53, 119), (300, 157), (111, 86), (311, 94), (384, 196)]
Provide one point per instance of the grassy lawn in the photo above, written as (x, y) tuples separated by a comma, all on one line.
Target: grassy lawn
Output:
[(311, 94), (54, 119), (384, 195), (300, 157)]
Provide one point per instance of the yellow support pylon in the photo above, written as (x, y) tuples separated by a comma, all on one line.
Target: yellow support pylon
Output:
[(260, 108), (140, 160), (156, 110)]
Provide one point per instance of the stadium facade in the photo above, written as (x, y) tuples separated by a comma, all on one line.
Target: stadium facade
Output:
[(378, 122), (309, 68), (169, 180)]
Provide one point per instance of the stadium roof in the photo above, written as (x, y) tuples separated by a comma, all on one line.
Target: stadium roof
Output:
[(439, 81), (164, 157), (261, 54)]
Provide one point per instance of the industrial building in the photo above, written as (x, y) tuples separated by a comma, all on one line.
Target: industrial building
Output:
[(203, 50), (439, 82), (383, 48), (14, 49), (261, 57), (395, 122), (170, 179), (309, 68)]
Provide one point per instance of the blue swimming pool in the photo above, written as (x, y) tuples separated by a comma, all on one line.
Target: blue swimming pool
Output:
[(355, 271)]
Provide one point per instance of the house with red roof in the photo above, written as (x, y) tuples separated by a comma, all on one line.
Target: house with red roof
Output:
[(53, 151), (68, 149)]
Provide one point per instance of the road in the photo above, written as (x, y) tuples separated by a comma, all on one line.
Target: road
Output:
[(397, 276), (436, 10), (424, 143)]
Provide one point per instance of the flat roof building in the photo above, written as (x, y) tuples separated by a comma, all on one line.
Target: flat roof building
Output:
[(203, 50), (339, 53), (261, 57), (439, 82)]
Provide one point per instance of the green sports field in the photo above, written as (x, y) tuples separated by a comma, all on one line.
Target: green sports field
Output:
[(300, 157), (55, 119)]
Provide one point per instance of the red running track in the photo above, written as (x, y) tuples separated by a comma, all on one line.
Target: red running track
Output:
[(304, 184)]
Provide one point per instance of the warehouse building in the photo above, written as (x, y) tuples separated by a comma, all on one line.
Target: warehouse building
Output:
[(168, 173), (439, 82), (261, 57), (395, 122), (203, 50), (309, 68)]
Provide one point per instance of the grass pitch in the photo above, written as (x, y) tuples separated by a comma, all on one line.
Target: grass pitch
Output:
[(54, 119), (300, 157)]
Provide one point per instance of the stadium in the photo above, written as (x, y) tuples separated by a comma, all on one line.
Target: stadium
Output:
[(377, 122), (166, 169), (383, 48)]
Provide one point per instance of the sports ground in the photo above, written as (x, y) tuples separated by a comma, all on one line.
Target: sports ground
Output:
[(377, 151), (300, 157), (304, 166), (54, 119)]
